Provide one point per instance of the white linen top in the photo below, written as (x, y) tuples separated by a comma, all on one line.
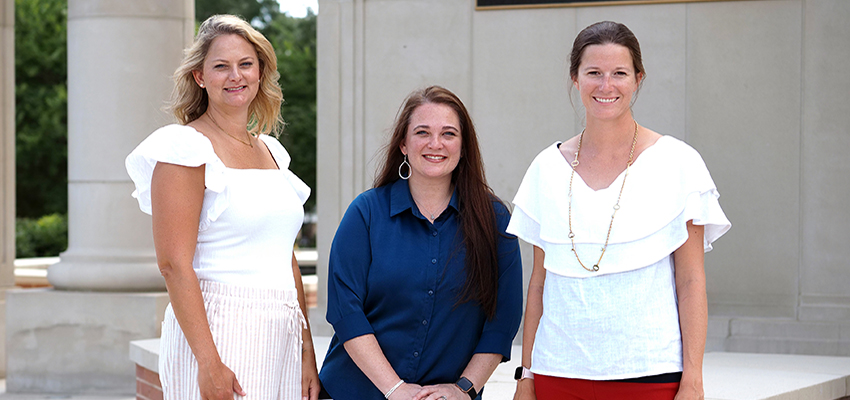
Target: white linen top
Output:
[(622, 322), (249, 218)]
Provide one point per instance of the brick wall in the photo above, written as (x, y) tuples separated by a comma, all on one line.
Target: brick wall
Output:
[(147, 384)]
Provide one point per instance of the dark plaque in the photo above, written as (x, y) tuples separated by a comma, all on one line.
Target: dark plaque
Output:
[(496, 3), (499, 4)]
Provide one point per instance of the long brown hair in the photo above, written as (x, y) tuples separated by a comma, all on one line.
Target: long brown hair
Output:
[(477, 215)]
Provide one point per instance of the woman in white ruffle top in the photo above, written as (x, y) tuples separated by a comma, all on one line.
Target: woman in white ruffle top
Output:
[(226, 210), (620, 218)]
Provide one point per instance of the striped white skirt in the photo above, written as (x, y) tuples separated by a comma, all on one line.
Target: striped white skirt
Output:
[(258, 336)]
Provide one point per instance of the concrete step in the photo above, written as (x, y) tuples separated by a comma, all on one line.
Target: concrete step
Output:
[(779, 336), (728, 376)]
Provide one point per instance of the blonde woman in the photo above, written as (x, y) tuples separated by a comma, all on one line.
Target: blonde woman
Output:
[(226, 211)]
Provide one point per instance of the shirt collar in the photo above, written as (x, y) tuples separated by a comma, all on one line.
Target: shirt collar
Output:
[(401, 200)]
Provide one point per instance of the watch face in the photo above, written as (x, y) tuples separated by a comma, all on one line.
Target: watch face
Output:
[(518, 373), (464, 384)]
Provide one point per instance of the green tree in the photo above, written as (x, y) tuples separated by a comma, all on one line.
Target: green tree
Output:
[(258, 12), (41, 111), (294, 41)]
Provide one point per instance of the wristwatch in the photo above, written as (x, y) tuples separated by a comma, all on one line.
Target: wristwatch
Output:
[(465, 385), (523, 373)]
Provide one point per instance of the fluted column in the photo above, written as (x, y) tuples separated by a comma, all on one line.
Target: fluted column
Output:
[(7, 163), (121, 55), (120, 59)]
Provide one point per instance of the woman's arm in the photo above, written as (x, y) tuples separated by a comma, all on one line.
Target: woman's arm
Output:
[(348, 266), (533, 312), (689, 261), (478, 371), (309, 371), (495, 340), (368, 356), (177, 195)]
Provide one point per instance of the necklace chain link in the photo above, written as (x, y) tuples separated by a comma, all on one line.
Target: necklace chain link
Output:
[(439, 210), (572, 235), (248, 143)]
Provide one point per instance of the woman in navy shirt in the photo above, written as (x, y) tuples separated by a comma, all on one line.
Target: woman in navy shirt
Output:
[(424, 284)]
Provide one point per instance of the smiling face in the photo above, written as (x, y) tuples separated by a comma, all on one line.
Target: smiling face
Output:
[(433, 142), (606, 81), (231, 72)]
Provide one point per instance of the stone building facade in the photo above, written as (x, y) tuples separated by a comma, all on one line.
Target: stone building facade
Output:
[(757, 86)]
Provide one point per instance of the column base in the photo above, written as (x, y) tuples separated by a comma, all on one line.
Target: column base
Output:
[(3, 332), (76, 342), (78, 270)]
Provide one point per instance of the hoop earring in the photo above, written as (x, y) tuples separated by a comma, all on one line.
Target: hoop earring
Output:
[(400, 167)]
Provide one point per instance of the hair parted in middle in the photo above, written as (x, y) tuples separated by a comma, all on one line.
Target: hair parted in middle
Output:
[(477, 218), (605, 32), (189, 102)]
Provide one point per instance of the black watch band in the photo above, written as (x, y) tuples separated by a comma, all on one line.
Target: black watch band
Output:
[(466, 386)]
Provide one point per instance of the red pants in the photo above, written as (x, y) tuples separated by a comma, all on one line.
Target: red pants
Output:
[(554, 388)]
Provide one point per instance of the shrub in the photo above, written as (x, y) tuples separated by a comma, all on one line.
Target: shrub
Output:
[(43, 237)]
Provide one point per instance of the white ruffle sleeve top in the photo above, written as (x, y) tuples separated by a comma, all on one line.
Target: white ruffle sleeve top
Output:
[(249, 218), (622, 321)]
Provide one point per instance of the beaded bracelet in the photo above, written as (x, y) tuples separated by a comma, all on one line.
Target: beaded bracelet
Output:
[(390, 392)]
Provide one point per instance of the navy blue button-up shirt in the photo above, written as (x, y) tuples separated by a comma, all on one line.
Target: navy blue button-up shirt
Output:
[(393, 274)]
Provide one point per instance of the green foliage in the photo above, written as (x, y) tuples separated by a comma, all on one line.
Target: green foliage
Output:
[(41, 98), (41, 114), (294, 41), (257, 12), (43, 237)]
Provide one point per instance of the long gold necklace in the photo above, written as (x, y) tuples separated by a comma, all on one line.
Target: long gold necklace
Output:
[(572, 235), (248, 143)]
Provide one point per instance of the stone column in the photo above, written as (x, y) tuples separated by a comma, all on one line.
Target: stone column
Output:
[(355, 115), (7, 163), (120, 59), (339, 64)]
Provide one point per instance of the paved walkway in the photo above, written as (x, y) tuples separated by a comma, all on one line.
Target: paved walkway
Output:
[(728, 376)]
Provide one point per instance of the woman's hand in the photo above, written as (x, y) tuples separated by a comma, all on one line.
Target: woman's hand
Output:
[(405, 392), (525, 390), (309, 375), (690, 389), (217, 382), (443, 391)]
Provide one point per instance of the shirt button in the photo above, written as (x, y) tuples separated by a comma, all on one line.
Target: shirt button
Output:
[(416, 354), (430, 293), (433, 261), (424, 322), (434, 233)]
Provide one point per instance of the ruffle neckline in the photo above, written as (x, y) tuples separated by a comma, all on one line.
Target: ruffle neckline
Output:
[(667, 186), (183, 145)]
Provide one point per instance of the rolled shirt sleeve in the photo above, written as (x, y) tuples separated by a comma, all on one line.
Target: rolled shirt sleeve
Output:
[(348, 269), (394, 274)]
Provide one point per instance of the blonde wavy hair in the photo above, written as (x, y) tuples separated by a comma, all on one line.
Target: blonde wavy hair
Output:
[(189, 102)]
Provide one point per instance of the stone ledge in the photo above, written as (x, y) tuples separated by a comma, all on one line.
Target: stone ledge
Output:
[(145, 353), (728, 376), (734, 376), (76, 342)]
